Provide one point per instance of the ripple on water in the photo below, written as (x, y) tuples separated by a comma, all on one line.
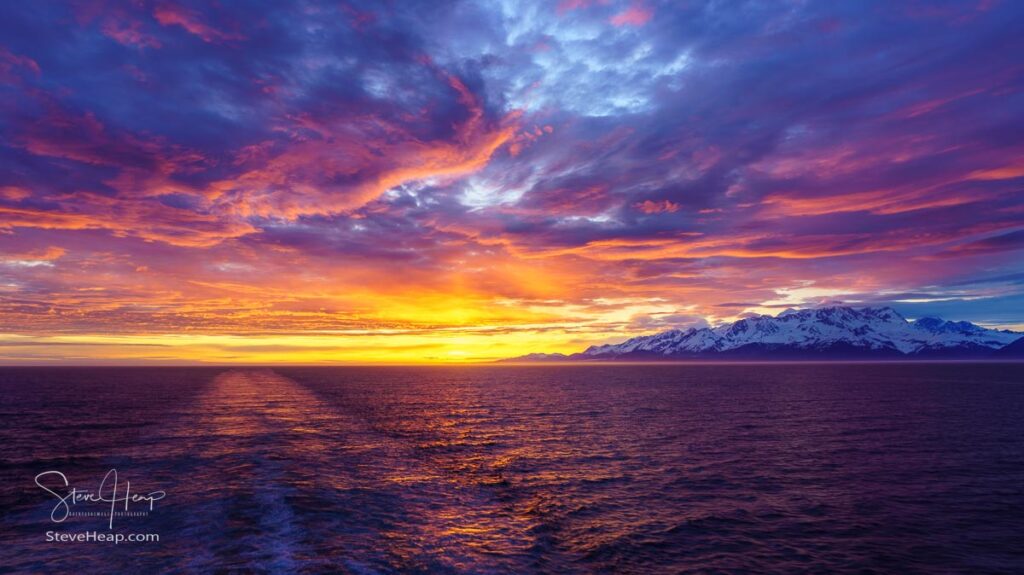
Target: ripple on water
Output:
[(626, 469)]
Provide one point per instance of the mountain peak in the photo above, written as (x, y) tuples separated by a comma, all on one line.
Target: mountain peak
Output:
[(828, 331), (930, 322)]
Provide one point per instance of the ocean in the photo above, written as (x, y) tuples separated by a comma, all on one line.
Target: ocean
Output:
[(743, 468)]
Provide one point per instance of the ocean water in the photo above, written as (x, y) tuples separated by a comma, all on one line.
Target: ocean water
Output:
[(783, 468)]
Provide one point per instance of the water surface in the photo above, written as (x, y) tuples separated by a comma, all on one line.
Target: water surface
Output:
[(826, 468)]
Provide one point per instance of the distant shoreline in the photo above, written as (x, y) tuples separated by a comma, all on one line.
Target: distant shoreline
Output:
[(509, 363)]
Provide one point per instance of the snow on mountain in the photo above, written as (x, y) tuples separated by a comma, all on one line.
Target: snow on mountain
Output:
[(854, 330)]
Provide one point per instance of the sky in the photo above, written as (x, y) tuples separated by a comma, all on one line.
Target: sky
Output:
[(347, 181)]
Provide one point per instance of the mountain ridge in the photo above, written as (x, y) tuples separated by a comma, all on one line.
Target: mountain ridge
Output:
[(835, 332)]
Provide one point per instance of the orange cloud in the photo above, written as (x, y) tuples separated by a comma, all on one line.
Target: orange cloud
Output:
[(883, 202), (354, 163), (14, 193), (1003, 173), (142, 219), (49, 254), (368, 158)]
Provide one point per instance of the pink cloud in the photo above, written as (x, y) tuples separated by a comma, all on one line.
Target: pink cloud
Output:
[(652, 207), (358, 18), (569, 5), (10, 62), (128, 33), (635, 15), (174, 15)]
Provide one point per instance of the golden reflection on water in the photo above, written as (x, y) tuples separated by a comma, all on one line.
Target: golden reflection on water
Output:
[(280, 432)]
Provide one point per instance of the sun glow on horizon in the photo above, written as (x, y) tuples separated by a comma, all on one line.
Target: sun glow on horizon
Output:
[(438, 347)]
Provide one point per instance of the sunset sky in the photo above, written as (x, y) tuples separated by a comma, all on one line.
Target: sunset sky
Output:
[(426, 181)]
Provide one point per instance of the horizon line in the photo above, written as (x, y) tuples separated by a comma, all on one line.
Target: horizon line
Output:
[(505, 363)]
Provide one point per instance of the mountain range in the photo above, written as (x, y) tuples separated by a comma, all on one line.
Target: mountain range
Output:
[(836, 332)]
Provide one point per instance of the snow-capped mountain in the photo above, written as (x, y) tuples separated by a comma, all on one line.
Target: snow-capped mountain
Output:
[(823, 332)]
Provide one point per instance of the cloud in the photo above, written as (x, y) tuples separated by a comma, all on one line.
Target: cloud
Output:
[(34, 258), (1012, 241), (129, 33), (12, 64), (635, 15), (652, 207), (585, 168), (172, 14)]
